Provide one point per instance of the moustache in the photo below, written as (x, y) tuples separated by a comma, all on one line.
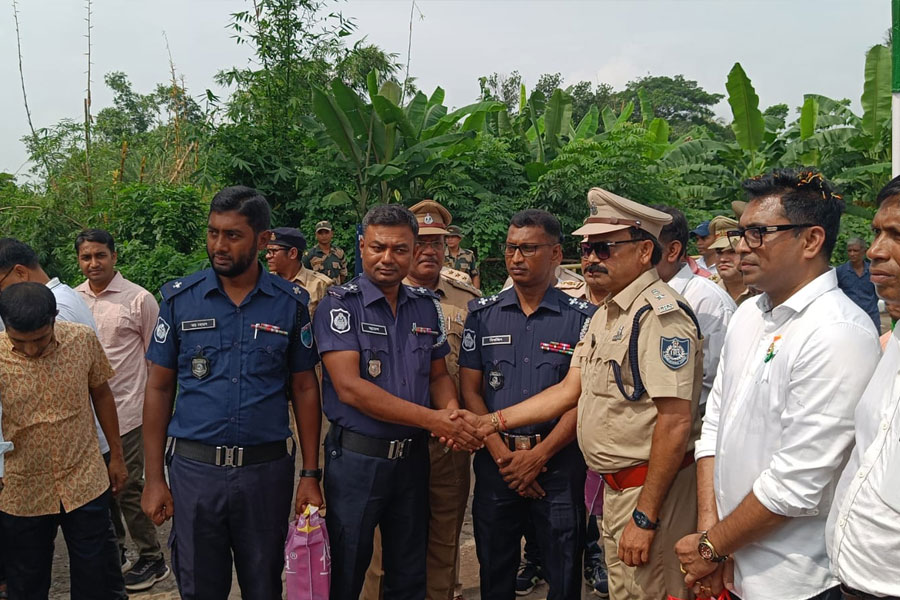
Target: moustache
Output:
[(596, 269)]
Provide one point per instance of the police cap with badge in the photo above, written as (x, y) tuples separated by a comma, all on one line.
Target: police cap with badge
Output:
[(433, 218), (610, 212), (720, 226), (288, 237)]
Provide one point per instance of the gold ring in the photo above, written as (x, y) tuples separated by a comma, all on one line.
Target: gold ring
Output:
[(682, 569)]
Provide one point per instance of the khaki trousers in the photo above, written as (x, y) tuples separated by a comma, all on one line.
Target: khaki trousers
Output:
[(662, 575), (127, 505), (448, 493)]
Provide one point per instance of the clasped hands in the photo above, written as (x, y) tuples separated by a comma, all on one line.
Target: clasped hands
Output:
[(460, 429)]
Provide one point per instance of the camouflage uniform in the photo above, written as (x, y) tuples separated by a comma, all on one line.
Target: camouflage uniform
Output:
[(464, 261), (333, 264)]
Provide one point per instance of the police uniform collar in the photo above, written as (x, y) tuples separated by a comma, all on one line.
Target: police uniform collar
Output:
[(550, 301), (211, 282), (439, 290), (372, 293), (626, 297)]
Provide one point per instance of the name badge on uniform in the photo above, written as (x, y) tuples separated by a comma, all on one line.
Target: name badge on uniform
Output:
[(200, 366), (374, 368), (198, 324), (373, 328), (495, 340), (495, 379), (674, 351)]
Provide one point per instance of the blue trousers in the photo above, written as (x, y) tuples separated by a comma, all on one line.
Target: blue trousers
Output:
[(500, 515), (224, 514), (95, 569), (364, 491)]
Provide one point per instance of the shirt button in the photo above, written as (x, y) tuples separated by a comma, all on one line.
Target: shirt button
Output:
[(234, 380), (235, 344), (861, 474), (237, 310), (843, 522), (233, 420), (528, 328), (526, 359), (884, 426), (524, 391)]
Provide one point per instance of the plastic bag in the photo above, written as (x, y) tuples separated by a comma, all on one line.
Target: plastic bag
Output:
[(307, 557)]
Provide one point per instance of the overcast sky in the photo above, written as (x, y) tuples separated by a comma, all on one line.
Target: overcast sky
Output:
[(787, 47)]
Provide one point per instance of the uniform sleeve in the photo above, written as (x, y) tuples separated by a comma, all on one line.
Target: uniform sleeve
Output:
[(163, 349), (826, 382), (668, 354), (470, 350), (148, 316), (334, 326), (302, 351), (100, 370)]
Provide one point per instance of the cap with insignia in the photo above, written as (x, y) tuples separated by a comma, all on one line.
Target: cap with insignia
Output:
[(432, 217), (610, 212), (288, 237), (720, 226), (453, 230), (326, 225)]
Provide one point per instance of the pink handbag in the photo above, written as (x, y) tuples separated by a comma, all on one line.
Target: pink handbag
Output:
[(307, 557)]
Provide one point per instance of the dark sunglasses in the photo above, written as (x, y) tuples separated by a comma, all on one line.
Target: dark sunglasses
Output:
[(603, 250)]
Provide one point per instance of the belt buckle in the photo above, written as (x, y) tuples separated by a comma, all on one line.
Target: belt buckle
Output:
[(397, 449), (522, 442), (225, 456)]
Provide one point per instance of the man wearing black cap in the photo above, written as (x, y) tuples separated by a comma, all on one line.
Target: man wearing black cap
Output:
[(703, 238), (283, 254), (325, 258)]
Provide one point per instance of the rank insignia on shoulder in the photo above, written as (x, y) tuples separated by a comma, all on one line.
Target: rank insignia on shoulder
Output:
[(468, 341), (674, 351), (657, 294), (340, 320)]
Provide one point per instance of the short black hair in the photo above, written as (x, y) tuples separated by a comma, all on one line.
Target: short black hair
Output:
[(13, 252), (889, 191), (245, 201), (806, 196), (100, 236), (390, 215), (27, 306), (676, 230), (639, 234), (534, 217)]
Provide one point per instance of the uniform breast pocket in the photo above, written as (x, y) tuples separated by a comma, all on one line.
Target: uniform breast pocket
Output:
[(419, 351), (552, 366), (374, 356), (499, 365), (603, 362), (205, 343), (268, 353)]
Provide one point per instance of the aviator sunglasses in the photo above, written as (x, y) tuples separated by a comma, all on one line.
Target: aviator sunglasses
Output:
[(603, 250)]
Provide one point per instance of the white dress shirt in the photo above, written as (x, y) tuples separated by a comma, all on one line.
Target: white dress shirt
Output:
[(863, 531), (779, 423), (713, 308)]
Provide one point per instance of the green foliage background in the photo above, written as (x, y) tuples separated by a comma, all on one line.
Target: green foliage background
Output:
[(325, 129)]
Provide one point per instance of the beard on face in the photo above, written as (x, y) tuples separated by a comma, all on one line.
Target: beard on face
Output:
[(239, 264)]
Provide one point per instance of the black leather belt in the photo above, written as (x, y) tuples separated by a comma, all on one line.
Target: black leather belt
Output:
[(521, 442), (851, 594), (377, 447), (230, 456)]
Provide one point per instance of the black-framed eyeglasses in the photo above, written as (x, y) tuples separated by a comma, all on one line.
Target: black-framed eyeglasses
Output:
[(753, 236), (436, 245), (273, 251), (603, 250), (7, 275), (527, 250)]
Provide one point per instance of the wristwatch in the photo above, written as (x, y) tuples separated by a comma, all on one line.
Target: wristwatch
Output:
[(707, 551), (316, 473), (643, 521)]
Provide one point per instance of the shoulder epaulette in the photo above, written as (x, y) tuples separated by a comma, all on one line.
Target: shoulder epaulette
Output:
[(322, 276), (339, 291), (292, 289), (568, 284), (176, 286), (582, 306), (455, 278), (661, 300), (479, 303), (714, 278), (421, 291)]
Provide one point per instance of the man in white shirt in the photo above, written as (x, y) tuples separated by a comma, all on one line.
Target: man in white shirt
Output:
[(779, 420), (863, 531), (712, 305)]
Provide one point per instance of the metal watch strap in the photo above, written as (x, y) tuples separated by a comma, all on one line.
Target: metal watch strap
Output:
[(315, 473), (705, 543)]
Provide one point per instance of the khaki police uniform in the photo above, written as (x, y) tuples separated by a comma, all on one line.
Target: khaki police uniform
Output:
[(316, 284), (720, 226), (615, 432), (450, 470)]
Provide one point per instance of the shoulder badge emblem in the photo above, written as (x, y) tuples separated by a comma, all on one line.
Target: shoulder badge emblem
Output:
[(306, 335), (161, 333), (674, 351), (468, 341), (340, 320)]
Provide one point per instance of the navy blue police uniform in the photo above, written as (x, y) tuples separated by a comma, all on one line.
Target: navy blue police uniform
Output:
[(230, 469), (520, 356), (376, 473)]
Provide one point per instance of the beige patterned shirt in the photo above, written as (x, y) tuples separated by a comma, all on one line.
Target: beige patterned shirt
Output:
[(47, 415)]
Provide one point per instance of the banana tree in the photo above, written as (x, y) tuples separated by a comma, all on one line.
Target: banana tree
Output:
[(389, 148)]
